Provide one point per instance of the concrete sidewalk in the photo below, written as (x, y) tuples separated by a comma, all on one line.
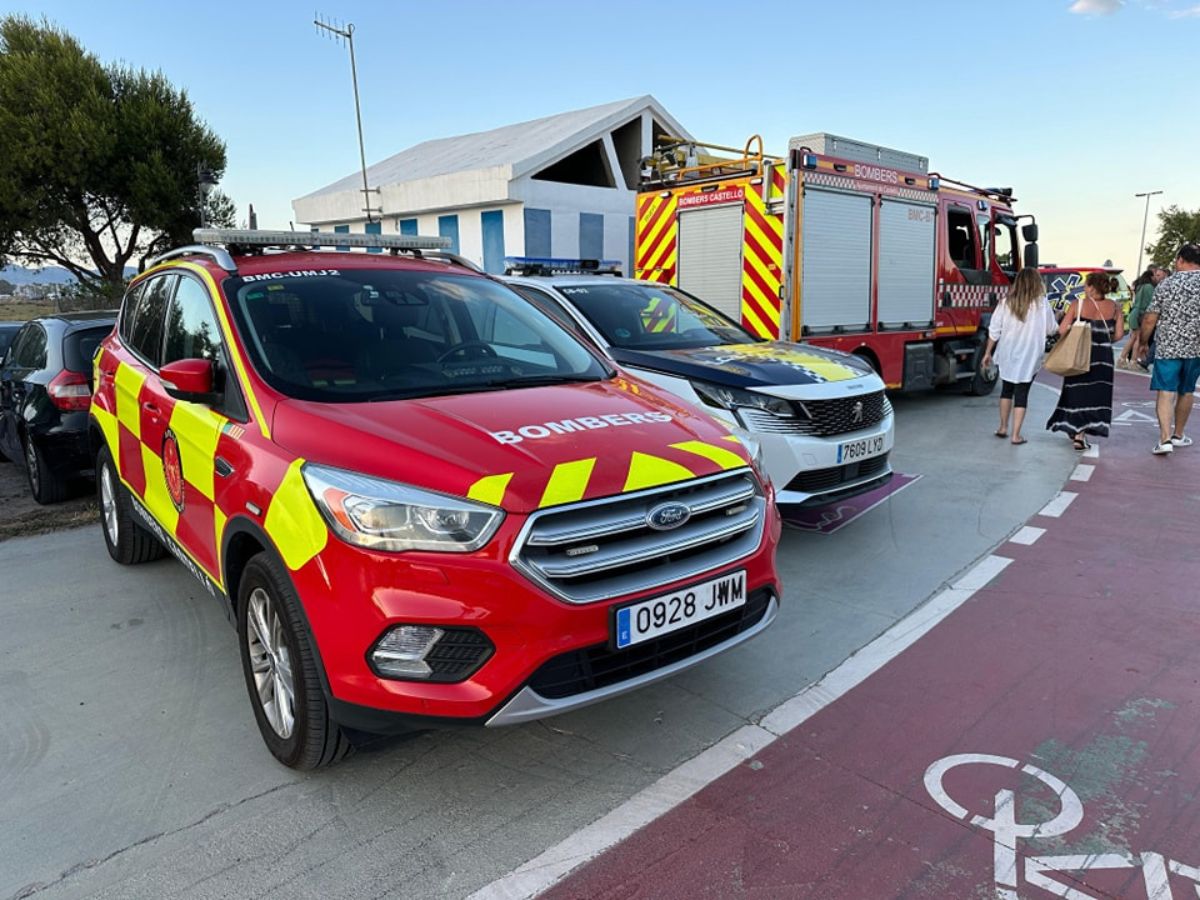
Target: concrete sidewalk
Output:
[(1043, 740)]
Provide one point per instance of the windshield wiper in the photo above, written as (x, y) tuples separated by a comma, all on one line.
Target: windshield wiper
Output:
[(539, 380), (440, 391)]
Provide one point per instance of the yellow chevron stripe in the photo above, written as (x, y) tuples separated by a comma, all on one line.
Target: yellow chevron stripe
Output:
[(769, 304), (659, 236), (490, 488), (646, 471), (750, 318), (567, 482), (726, 459)]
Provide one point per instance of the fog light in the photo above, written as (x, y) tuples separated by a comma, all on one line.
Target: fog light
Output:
[(401, 652)]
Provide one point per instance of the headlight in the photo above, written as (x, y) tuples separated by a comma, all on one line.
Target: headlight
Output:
[(731, 398), (386, 515)]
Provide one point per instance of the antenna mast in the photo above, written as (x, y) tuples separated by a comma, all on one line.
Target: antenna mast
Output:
[(346, 33)]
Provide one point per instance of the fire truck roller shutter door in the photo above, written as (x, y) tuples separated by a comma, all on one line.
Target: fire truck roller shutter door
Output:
[(836, 286), (907, 234), (710, 256)]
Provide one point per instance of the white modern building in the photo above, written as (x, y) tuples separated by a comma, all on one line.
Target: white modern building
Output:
[(562, 186)]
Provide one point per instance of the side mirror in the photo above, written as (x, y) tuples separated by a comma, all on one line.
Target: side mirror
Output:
[(190, 380), (1029, 231), (1031, 256)]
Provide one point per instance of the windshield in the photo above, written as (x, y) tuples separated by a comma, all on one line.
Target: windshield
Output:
[(637, 316), (350, 335)]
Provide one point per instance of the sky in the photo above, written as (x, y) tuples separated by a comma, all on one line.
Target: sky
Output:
[(1075, 104)]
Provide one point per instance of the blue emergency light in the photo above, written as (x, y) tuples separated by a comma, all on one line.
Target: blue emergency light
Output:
[(545, 265), (934, 182)]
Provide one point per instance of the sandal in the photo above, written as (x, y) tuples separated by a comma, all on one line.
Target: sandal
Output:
[(1000, 434), (1080, 442), (1020, 442)]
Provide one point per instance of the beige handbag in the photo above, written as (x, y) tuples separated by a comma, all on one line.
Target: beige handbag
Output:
[(1072, 355)]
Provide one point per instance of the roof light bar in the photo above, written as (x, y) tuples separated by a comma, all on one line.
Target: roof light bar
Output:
[(247, 237), (557, 266)]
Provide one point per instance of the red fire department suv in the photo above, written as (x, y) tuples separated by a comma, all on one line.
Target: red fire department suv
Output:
[(416, 496)]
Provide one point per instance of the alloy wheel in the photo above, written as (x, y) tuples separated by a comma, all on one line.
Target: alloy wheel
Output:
[(108, 505), (271, 663), (31, 463)]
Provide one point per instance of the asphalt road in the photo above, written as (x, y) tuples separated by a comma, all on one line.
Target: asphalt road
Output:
[(130, 765)]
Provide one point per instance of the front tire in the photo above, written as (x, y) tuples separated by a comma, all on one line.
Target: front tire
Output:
[(44, 484), (984, 380), (280, 668), (127, 542)]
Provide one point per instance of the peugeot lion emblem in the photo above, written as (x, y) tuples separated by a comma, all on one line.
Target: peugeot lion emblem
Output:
[(666, 516), (857, 414)]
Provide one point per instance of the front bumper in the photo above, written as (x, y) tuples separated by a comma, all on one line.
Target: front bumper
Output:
[(351, 596), (806, 470)]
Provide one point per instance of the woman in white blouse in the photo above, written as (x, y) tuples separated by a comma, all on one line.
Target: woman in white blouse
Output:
[(1020, 326)]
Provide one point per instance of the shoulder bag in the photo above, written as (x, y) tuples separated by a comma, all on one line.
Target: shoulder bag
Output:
[(1072, 355)]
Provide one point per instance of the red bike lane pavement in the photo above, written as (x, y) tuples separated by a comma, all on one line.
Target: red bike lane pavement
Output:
[(1041, 741)]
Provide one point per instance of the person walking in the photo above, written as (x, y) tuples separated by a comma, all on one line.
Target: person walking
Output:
[(1085, 404), (1174, 318), (1143, 293), (1019, 326)]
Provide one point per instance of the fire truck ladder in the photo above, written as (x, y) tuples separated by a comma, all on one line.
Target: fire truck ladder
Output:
[(678, 160)]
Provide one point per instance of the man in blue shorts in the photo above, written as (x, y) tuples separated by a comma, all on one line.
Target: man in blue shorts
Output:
[(1175, 313)]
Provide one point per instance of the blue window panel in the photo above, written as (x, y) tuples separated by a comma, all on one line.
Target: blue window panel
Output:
[(342, 229), (537, 232), (374, 228), (448, 227), (408, 226), (591, 236), (493, 241), (629, 271)]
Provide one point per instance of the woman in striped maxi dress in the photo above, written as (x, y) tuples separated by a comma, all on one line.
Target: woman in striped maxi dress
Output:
[(1085, 404)]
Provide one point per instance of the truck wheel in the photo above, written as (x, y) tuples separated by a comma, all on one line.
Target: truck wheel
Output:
[(128, 542), (984, 380), (45, 485), (281, 670)]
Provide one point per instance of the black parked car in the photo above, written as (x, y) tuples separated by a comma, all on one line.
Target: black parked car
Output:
[(8, 331), (45, 392)]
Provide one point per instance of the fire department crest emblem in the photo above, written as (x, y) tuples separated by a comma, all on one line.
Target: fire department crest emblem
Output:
[(173, 470)]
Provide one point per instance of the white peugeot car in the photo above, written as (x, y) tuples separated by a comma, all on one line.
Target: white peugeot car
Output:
[(821, 417)]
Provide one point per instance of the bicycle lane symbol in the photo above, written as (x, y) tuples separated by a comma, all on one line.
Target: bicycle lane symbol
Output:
[(1039, 871)]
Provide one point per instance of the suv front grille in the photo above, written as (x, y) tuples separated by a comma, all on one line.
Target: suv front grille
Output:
[(602, 549), (821, 418), (599, 666)]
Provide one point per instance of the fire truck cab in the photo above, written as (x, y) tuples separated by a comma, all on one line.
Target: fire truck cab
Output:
[(842, 244)]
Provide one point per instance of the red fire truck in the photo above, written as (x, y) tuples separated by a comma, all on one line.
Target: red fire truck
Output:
[(843, 244)]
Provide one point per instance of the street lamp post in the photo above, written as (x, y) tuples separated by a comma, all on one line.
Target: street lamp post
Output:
[(1145, 217)]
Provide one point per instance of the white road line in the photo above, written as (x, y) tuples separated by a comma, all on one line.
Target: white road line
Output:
[(1083, 473), (1028, 535), (1058, 505), (1092, 452), (546, 869)]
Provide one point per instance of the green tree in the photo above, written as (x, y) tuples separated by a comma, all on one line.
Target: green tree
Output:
[(1175, 226), (100, 162)]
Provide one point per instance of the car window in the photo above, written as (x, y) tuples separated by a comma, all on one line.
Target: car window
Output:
[(370, 334), (552, 307), (192, 331), (6, 339), (639, 316), (29, 349), (79, 347), (146, 325)]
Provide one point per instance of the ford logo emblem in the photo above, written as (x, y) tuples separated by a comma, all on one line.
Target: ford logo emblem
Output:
[(666, 516)]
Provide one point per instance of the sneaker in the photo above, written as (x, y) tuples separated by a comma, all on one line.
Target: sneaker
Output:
[(1163, 449), (1181, 440)]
